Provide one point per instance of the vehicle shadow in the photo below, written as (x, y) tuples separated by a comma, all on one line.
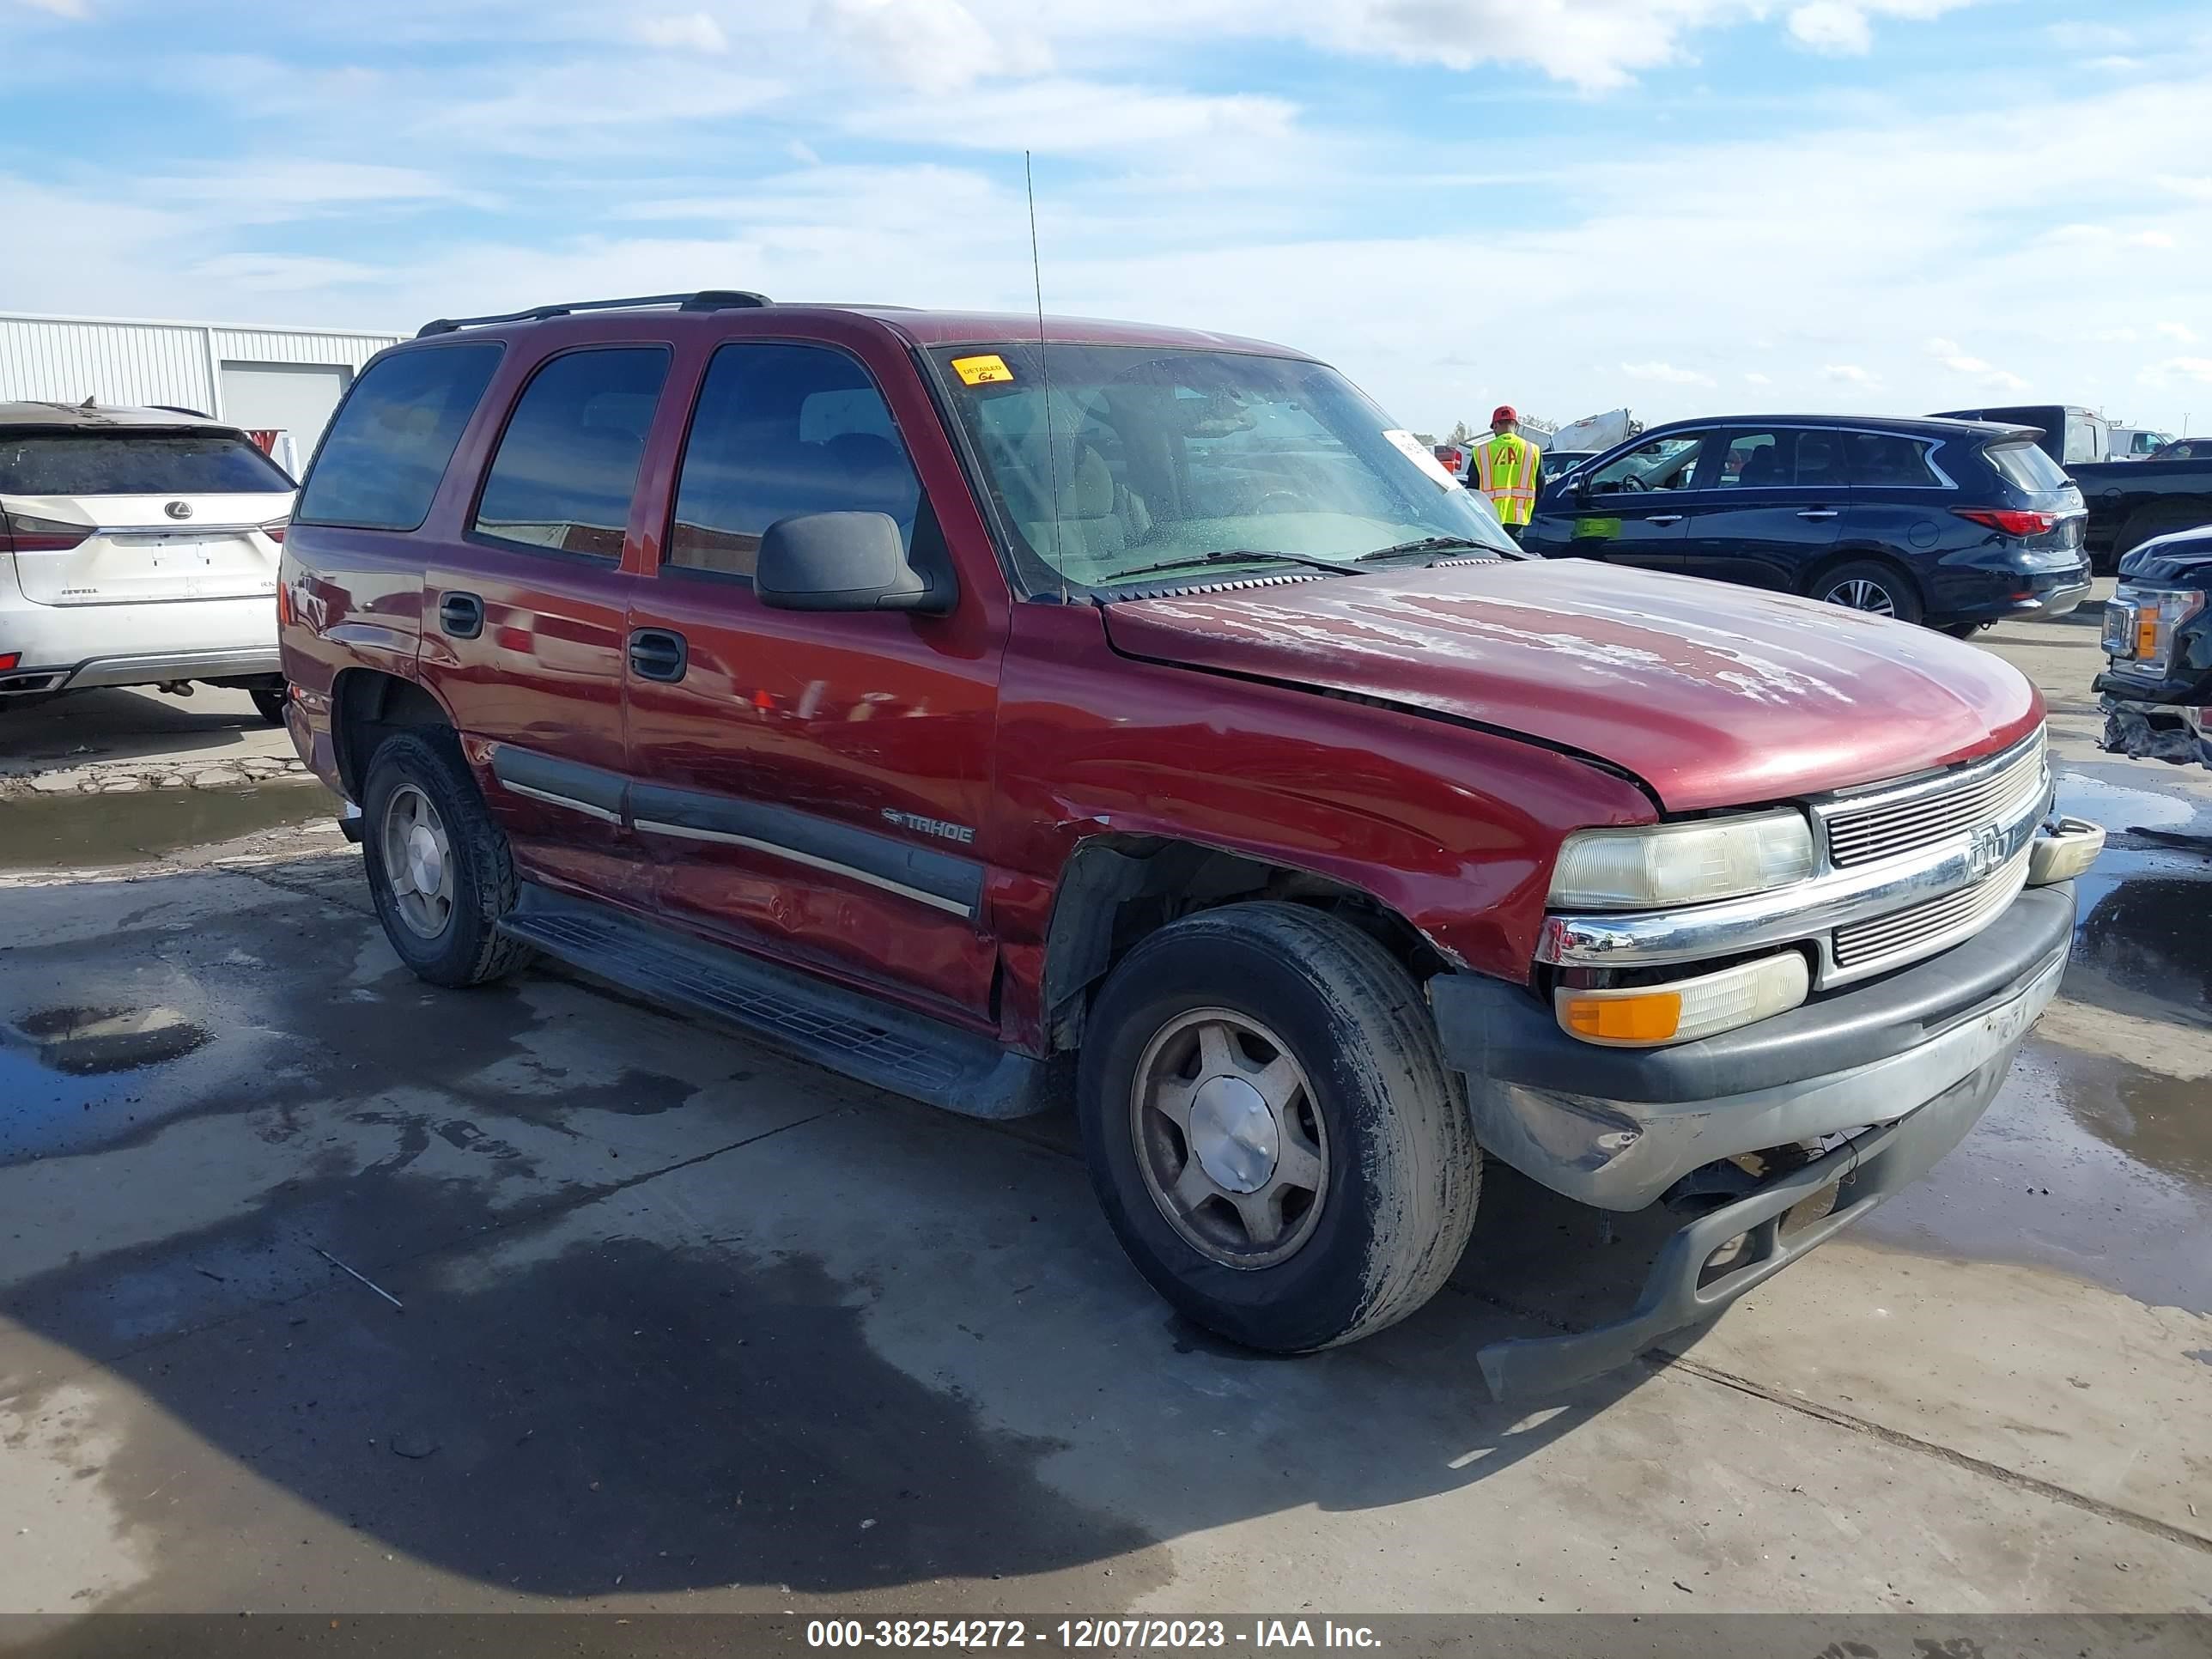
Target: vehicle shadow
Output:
[(885, 1350), (126, 725)]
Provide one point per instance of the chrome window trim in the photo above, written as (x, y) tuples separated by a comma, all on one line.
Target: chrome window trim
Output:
[(1808, 913)]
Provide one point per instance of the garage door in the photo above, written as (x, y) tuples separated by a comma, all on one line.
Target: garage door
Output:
[(294, 400)]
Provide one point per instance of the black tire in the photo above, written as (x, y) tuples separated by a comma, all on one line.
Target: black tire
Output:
[(1963, 630), (269, 705), (1854, 576), (2162, 518), (1404, 1173), (469, 950)]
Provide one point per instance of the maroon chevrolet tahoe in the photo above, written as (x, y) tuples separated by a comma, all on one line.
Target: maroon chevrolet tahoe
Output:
[(971, 707)]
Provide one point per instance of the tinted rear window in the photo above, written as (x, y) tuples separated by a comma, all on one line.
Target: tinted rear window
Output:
[(2027, 467), (135, 463), (1890, 460), (386, 450), (566, 466)]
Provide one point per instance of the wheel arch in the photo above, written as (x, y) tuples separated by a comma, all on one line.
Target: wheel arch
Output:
[(1116, 889), (1837, 558), (366, 704)]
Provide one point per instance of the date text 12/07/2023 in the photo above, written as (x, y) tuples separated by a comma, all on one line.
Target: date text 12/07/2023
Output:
[(1115, 1635)]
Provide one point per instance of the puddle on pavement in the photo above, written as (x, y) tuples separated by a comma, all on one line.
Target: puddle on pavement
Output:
[(2121, 807), (59, 1063), (2087, 1165), (82, 832)]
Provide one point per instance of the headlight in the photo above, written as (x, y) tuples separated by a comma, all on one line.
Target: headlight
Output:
[(1670, 864), (2140, 624)]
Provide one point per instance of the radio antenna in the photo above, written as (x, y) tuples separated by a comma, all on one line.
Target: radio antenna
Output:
[(1044, 369)]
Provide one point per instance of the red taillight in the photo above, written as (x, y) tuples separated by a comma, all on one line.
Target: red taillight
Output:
[(275, 530), (283, 606), (43, 535), (2012, 520), (8, 659)]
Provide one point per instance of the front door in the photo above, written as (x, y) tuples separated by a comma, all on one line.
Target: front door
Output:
[(812, 786), (1768, 508), (1633, 511), (525, 618)]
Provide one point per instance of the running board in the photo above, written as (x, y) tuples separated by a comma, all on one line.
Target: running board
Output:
[(859, 1037)]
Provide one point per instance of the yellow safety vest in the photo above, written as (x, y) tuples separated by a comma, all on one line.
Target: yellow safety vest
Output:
[(1506, 471)]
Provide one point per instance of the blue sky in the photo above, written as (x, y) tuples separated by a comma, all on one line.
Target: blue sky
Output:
[(1685, 206)]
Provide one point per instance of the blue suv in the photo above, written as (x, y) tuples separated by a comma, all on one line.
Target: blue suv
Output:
[(1956, 524)]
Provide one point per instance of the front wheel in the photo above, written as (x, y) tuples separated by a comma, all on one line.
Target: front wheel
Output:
[(1876, 588), (438, 869), (1271, 1129)]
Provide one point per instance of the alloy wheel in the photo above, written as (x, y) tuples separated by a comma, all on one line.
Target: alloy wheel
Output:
[(1860, 594), (418, 862), (1230, 1138)]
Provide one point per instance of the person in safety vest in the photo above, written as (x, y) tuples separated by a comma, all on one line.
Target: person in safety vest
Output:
[(1505, 469)]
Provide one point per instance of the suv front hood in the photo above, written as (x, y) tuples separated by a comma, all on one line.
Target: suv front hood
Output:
[(1714, 696)]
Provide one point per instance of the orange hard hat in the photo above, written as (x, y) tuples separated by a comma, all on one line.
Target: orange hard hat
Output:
[(1505, 412)]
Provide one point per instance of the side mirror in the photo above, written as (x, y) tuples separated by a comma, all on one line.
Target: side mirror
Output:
[(841, 561), (1580, 483)]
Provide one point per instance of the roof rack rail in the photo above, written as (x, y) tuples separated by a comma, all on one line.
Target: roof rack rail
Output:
[(706, 298)]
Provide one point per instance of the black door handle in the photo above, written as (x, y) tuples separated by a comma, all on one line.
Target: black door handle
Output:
[(657, 653), (461, 615)]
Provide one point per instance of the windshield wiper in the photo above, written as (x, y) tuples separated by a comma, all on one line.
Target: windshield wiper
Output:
[(1231, 555), (1430, 545)]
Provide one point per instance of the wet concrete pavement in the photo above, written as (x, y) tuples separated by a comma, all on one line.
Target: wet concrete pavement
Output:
[(685, 1324)]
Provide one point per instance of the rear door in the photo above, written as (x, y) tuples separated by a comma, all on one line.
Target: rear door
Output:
[(1633, 511), (134, 514), (812, 785), (1769, 505), (525, 612)]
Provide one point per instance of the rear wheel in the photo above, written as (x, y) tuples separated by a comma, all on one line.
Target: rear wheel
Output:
[(1271, 1129), (2162, 518), (1878, 589), (438, 869), (269, 705)]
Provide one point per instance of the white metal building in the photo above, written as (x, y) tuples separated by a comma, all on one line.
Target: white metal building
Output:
[(280, 384)]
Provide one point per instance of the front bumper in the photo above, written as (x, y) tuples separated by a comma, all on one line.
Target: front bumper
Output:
[(1918, 1053)]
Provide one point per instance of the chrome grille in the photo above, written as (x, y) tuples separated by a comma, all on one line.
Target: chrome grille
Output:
[(1907, 821), (1922, 929)]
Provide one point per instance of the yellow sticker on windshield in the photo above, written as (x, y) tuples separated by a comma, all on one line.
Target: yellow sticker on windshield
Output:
[(989, 370)]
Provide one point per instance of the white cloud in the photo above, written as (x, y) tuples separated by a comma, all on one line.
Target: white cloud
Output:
[(1846, 26), (2116, 336), (1959, 361), (934, 44), (1756, 379), (2193, 370), (1668, 373), (692, 31), (1851, 374), (75, 10), (2181, 331), (2150, 238)]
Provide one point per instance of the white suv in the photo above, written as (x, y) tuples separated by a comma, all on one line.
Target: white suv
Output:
[(137, 547)]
